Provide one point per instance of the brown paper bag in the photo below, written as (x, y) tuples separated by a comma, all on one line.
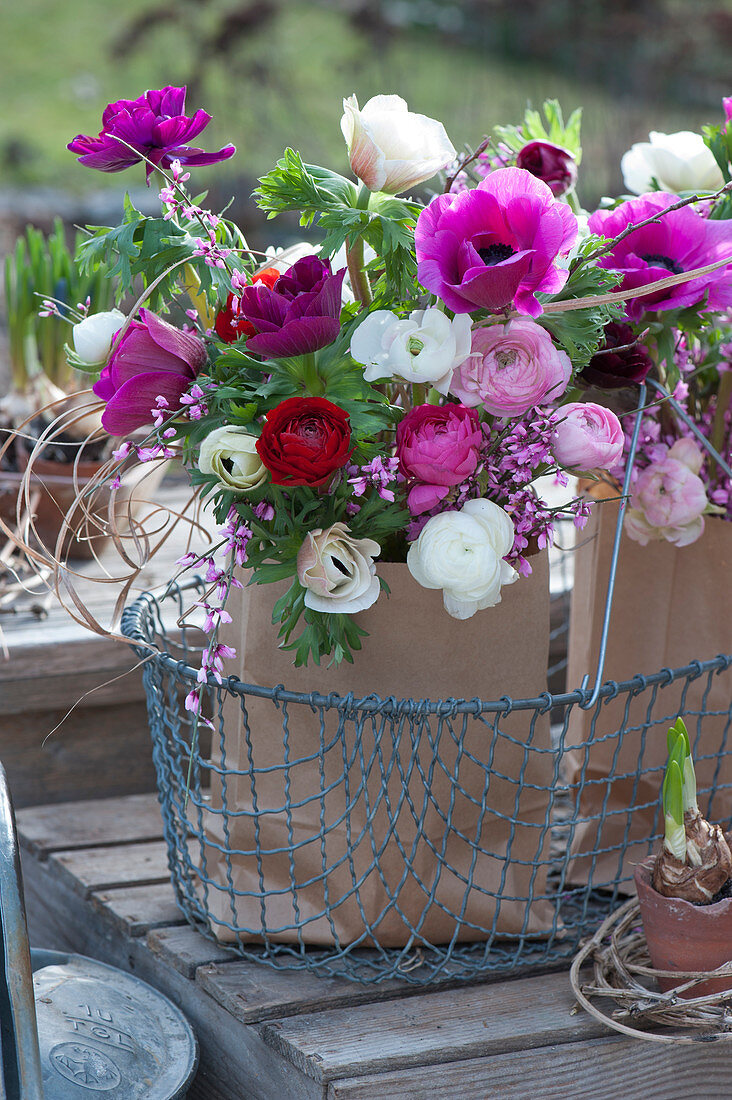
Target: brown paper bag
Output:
[(377, 829), (671, 606)]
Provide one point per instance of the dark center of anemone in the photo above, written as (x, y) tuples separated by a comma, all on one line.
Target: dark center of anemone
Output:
[(657, 260), (495, 254)]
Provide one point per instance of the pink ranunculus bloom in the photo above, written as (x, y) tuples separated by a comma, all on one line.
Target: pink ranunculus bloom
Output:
[(680, 241), (153, 359), (640, 530), (437, 447), (669, 494), (495, 245), (727, 105), (587, 437), (511, 369)]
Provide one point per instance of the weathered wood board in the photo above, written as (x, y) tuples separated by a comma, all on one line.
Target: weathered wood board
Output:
[(93, 885)]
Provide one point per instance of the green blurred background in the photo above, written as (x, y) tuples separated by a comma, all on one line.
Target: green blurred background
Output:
[(273, 73)]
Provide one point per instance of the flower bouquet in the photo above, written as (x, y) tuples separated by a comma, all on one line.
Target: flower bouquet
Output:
[(367, 418), (672, 353)]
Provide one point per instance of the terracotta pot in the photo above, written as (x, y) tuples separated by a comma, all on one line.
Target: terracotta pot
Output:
[(58, 491), (684, 937)]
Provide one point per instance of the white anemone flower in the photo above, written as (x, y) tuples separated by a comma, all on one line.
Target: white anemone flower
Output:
[(425, 347), (390, 148), (677, 162)]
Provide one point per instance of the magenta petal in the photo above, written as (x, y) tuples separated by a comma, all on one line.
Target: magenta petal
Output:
[(298, 337), (131, 405), (422, 498), (495, 287), (104, 386), (181, 344)]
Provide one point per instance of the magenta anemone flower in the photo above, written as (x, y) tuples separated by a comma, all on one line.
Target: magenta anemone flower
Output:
[(153, 359), (496, 245), (158, 128), (299, 314), (681, 241)]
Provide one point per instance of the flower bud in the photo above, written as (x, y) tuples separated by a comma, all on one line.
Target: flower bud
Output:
[(587, 437), (390, 148), (93, 336), (554, 165)]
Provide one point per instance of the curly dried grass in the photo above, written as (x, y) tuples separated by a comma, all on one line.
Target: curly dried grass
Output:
[(136, 527), (623, 976)]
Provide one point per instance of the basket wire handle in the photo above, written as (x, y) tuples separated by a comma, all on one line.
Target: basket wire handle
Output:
[(690, 424), (21, 1060), (586, 704)]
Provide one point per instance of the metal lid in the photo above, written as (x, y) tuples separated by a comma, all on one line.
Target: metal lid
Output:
[(103, 1032)]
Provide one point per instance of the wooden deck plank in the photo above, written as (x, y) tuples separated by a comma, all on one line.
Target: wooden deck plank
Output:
[(252, 992), (610, 1068), (135, 910), (91, 822), (432, 1028), (185, 949), (89, 870), (236, 1064)]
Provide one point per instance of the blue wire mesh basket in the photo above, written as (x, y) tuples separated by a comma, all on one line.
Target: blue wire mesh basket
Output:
[(380, 759)]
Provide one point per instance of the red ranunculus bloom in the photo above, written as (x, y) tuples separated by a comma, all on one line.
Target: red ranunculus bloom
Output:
[(304, 441)]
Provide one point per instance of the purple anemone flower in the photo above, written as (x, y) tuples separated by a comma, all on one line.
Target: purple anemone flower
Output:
[(496, 245), (153, 359), (681, 241), (158, 128), (299, 314)]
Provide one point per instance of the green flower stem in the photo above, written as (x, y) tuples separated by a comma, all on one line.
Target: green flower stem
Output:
[(573, 202), (433, 397), (311, 380), (354, 257)]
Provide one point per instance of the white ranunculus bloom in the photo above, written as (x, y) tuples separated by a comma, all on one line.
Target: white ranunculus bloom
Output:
[(338, 571), (93, 336), (390, 148), (424, 347), (462, 553), (231, 454), (679, 162)]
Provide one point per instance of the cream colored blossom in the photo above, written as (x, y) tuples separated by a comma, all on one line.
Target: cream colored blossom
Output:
[(338, 571), (230, 453), (462, 553)]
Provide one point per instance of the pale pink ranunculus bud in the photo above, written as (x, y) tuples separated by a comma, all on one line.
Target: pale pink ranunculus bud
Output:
[(338, 571), (587, 437), (688, 452), (669, 494), (462, 553), (390, 148), (511, 368)]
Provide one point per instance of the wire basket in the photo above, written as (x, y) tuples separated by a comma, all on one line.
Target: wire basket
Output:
[(382, 745)]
